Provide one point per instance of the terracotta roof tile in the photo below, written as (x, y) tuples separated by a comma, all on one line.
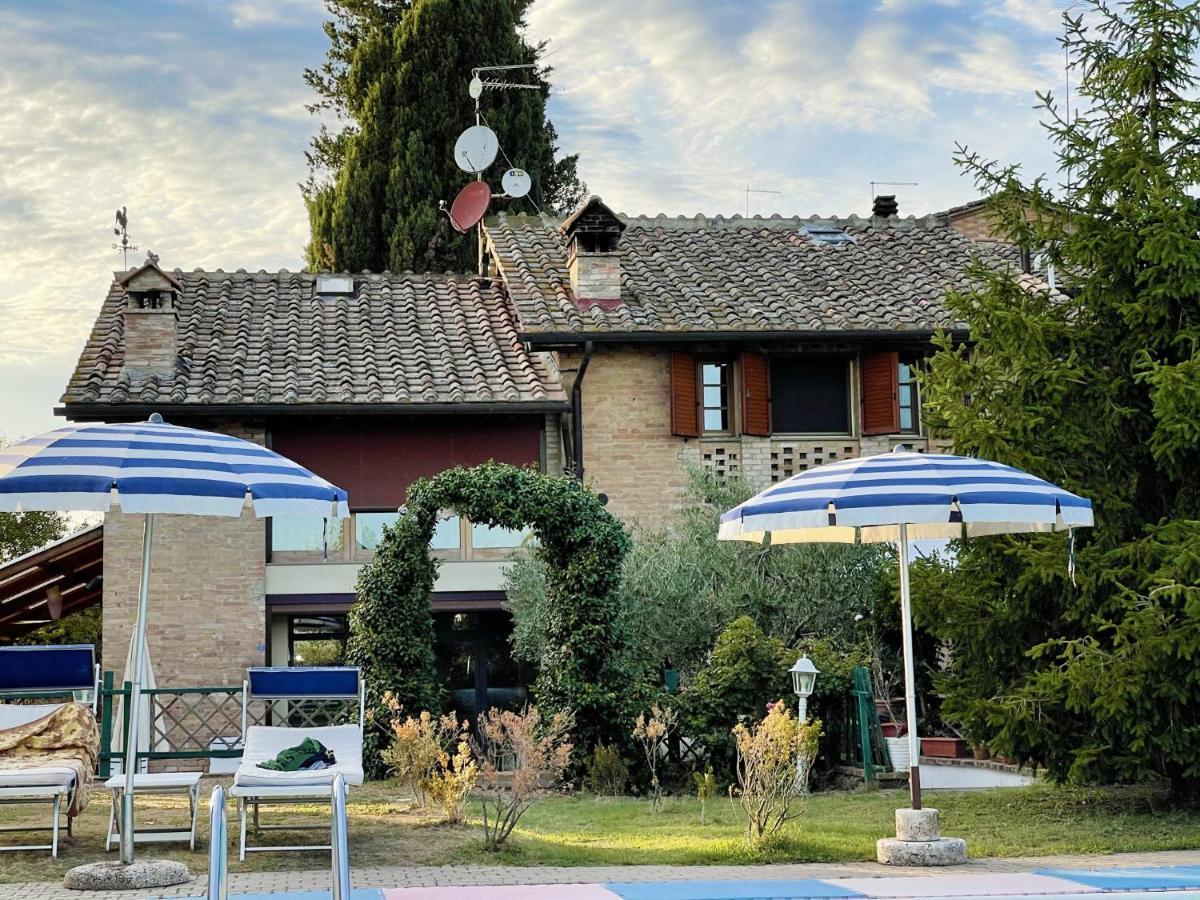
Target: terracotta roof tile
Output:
[(708, 275), (265, 338)]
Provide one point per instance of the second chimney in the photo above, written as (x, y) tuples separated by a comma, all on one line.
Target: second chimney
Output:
[(885, 205), (593, 259)]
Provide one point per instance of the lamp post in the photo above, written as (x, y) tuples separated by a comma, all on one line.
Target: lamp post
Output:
[(804, 679)]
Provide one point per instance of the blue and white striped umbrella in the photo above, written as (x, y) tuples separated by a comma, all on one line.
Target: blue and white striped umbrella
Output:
[(934, 495), (151, 467), (900, 496)]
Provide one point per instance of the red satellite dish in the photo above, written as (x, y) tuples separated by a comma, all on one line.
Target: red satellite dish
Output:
[(470, 206)]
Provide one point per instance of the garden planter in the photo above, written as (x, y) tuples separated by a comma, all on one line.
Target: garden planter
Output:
[(893, 729), (981, 752), (944, 747), (898, 752)]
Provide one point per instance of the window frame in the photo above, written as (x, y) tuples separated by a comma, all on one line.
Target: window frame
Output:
[(342, 635), (731, 396), (912, 364)]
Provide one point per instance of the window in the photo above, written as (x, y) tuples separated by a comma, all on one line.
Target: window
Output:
[(714, 396), (484, 537), (317, 640), (908, 398), (368, 530), (303, 534), (810, 395)]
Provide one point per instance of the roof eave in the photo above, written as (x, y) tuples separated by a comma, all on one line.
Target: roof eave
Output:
[(542, 339), (82, 412)]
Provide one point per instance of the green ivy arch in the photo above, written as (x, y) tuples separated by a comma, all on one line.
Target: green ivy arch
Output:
[(582, 546)]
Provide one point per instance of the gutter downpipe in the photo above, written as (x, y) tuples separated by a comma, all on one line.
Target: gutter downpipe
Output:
[(577, 409)]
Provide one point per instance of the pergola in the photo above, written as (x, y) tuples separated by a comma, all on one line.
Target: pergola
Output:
[(47, 584)]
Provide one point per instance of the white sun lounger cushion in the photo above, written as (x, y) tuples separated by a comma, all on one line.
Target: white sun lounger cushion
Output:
[(32, 774), (37, 776), (14, 714), (264, 742)]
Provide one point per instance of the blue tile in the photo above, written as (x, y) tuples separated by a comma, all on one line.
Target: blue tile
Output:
[(1148, 879), (765, 889)]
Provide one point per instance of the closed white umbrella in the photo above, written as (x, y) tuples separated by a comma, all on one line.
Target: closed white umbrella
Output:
[(898, 496), (150, 468)]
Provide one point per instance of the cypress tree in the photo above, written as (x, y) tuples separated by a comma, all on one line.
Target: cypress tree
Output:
[(396, 77), (1096, 387)]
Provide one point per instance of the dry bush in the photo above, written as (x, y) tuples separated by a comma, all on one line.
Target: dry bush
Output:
[(419, 746), (521, 758), (653, 733), (774, 758)]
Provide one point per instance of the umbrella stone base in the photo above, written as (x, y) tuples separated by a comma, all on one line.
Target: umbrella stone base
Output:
[(116, 876), (918, 842)]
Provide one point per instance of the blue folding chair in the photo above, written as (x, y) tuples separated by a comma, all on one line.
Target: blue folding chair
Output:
[(302, 696), (67, 673)]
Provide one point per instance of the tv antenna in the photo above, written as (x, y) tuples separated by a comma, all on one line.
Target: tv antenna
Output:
[(875, 184), (121, 230), (750, 190)]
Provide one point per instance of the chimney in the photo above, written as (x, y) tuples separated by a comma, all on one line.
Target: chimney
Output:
[(151, 320), (885, 205), (593, 260)]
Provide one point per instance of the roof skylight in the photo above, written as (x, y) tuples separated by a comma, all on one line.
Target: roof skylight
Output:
[(825, 234)]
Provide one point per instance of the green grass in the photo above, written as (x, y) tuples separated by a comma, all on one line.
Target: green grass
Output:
[(586, 830)]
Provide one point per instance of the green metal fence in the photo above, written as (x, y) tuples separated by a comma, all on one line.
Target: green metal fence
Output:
[(185, 720)]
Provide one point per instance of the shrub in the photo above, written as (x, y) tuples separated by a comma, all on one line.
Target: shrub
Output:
[(521, 758), (449, 785), (774, 758), (706, 790), (606, 772), (652, 733), (419, 746), (746, 670), (580, 545)]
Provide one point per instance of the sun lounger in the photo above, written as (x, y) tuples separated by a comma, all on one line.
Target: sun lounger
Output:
[(254, 786), (47, 751)]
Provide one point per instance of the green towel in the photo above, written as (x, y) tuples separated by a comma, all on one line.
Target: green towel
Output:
[(308, 754)]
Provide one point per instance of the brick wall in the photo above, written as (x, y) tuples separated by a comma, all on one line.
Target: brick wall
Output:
[(207, 608), (976, 224), (629, 452)]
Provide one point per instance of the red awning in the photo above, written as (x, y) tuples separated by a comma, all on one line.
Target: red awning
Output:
[(47, 584)]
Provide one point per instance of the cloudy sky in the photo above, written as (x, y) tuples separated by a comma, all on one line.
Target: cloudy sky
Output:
[(191, 114)]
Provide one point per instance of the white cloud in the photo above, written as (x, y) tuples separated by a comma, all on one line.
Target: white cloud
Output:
[(1039, 15), (202, 190), (265, 13)]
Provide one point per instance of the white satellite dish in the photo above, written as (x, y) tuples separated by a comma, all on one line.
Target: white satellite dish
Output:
[(475, 88), (516, 182), (476, 149)]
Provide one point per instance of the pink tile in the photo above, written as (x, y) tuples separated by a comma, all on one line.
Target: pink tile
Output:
[(980, 885), (504, 892)]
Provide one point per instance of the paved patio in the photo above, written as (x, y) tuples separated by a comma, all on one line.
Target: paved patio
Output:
[(481, 876)]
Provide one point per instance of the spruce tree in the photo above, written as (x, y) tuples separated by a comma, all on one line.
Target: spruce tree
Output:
[(1097, 387), (395, 77)]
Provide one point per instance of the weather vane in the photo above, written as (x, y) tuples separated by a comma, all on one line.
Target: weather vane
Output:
[(122, 231)]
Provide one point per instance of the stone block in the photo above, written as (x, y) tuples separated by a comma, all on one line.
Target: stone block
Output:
[(940, 852), (917, 825), (115, 876)]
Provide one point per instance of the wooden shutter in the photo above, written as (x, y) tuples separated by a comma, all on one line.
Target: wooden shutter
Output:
[(685, 396), (756, 394), (880, 409)]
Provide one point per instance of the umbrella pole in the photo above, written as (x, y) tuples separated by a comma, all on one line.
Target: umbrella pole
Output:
[(135, 694), (910, 687)]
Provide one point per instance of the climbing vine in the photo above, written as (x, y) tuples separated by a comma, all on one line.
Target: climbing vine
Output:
[(582, 546)]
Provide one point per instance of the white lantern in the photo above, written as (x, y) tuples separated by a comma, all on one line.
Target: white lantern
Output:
[(804, 677)]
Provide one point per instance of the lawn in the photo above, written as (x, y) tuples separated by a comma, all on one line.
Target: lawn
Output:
[(587, 830)]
